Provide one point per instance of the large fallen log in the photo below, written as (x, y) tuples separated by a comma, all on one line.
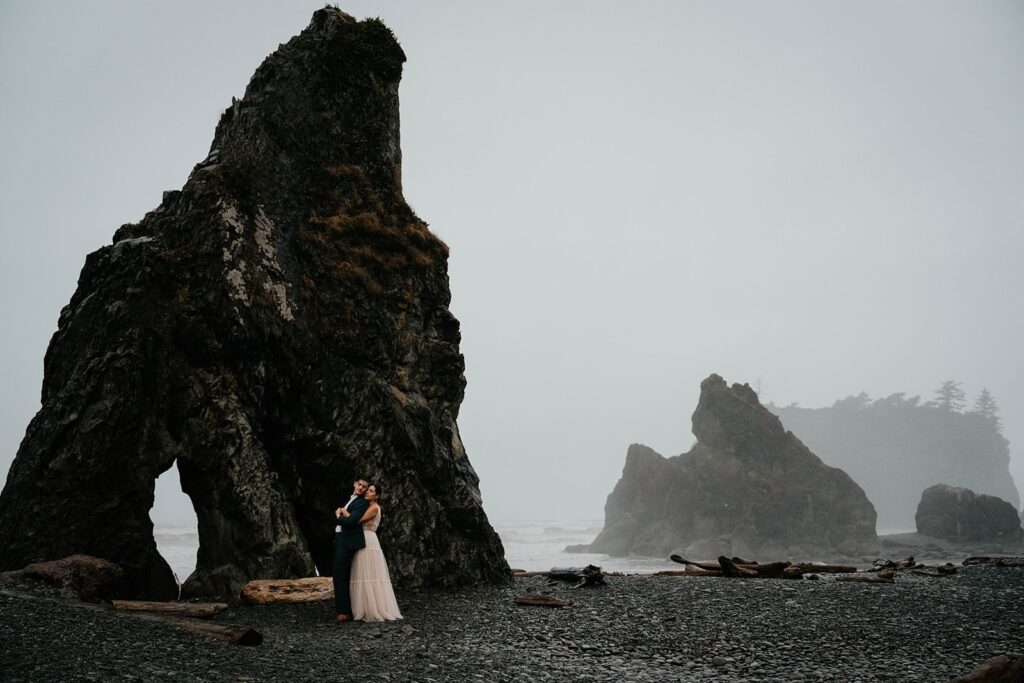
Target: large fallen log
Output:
[(772, 570), (579, 576), (197, 610), (287, 591), (535, 600)]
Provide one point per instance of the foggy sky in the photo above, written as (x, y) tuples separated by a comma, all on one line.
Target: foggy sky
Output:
[(818, 198)]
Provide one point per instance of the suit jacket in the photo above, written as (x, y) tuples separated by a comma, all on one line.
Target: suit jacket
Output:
[(351, 535)]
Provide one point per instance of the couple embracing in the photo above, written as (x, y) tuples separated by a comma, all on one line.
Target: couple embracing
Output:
[(362, 584)]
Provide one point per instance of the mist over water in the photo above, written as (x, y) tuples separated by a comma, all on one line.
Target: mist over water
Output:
[(530, 546)]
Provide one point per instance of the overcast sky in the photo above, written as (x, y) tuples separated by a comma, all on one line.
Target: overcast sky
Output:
[(818, 198)]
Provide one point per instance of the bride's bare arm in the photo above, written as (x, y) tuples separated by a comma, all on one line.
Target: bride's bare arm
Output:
[(370, 513)]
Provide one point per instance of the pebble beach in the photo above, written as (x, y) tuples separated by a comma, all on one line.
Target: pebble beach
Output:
[(636, 628)]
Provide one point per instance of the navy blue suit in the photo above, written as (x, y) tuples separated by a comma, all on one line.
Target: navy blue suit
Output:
[(347, 543)]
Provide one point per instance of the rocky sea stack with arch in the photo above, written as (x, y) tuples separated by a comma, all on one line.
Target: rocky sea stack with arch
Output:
[(276, 327)]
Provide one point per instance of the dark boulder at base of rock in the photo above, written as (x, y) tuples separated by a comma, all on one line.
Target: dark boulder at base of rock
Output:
[(747, 488), (79, 576), (958, 514), (276, 328)]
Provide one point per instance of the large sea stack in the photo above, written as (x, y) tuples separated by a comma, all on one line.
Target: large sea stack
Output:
[(277, 327), (748, 487)]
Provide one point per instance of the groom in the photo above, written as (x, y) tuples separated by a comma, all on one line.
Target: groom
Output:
[(348, 540)]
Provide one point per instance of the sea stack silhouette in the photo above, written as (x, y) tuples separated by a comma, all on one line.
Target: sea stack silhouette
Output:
[(277, 327), (747, 487)]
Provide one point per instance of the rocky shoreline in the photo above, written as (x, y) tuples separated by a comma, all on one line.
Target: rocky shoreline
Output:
[(636, 628)]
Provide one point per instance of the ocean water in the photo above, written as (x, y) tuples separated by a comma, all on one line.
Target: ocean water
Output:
[(535, 546), (528, 545), (178, 544)]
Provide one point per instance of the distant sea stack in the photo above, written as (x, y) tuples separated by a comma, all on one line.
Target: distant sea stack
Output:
[(957, 514), (748, 488), (896, 447), (278, 327)]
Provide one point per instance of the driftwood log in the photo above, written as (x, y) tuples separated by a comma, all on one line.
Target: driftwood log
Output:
[(237, 634), (535, 600), (232, 633), (883, 576), (707, 566), (908, 564), (288, 591), (696, 571), (810, 568), (770, 570), (882, 563), (579, 576), (930, 572), (731, 569), (198, 610), (996, 561)]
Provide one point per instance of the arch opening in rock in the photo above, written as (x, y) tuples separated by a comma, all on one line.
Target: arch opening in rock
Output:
[(175, 526)]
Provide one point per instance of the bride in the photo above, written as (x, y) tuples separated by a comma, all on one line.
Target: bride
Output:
[(373, 599)]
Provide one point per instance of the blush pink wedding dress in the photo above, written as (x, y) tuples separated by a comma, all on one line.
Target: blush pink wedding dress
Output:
[(373, 598)]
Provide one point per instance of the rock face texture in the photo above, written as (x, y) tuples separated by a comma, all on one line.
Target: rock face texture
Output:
[(748, 487), (959, 514), (278, 327)]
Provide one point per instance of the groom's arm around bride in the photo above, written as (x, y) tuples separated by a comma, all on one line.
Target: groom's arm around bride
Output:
[(348, 540)]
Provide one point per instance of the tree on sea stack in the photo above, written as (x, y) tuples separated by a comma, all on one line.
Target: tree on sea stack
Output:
[(985, 407), (950, 396), (276, 327)]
